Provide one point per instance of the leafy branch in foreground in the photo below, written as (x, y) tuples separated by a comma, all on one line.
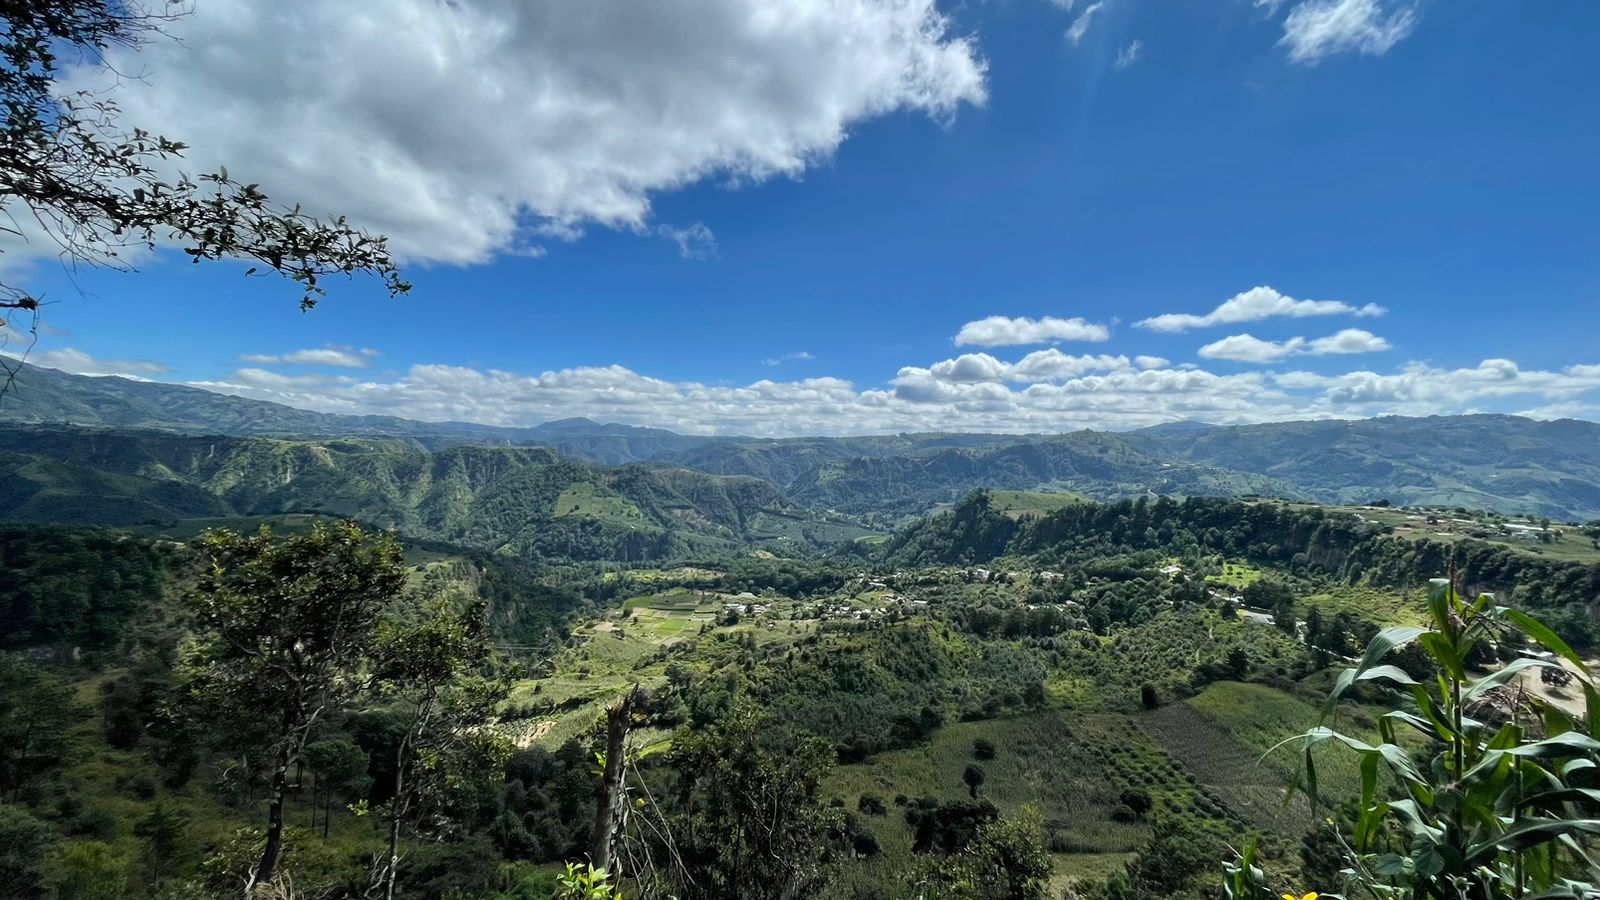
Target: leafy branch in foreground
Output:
[(1493, 793), (69, 173)]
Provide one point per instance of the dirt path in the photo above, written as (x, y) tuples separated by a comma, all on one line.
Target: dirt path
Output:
[(1568, 699)]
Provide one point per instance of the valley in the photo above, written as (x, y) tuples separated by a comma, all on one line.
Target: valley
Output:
[(1100, 646)]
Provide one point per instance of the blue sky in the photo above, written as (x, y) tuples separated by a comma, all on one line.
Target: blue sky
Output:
[(784, 230)]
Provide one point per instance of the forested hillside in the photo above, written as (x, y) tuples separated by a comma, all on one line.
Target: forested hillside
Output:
[(1304, 540), (1098, 465), (1506, 463), (529, 502)]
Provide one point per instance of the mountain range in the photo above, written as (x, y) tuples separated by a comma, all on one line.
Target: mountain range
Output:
[(1506, 463)]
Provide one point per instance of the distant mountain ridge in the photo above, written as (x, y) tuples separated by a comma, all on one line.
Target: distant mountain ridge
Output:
[(1506, 463), (527, 501)]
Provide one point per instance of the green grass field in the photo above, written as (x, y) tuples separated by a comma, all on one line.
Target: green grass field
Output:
[(1069, 769), (1229, 765), (1237, 575), (587, 501), (1569, 544), (1231, 736), (677, 599), (1376, 605), (1022, 504), (628, 646)]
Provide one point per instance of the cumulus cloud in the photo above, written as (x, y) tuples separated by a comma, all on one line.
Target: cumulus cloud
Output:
[(797, 356), (1041, 365), (1253, 305), (1004, 331), (69, 359), (1129, 55), (1045, 391), (1248, 348), (342, 357), (278, 380), (1080, 25), (1569, 409), (1151, 362), (1347, 340), (1422, 389), (694, 242), (476, 127), (1317, 29)]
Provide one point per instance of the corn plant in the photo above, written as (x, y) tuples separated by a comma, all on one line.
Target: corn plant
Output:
[(1242, 879), (1490, 794)]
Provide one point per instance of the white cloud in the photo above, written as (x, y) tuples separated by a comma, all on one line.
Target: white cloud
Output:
[(1269, 6), (1080, 25), (469, 128), (1039, 366), (1004, 331), (1421, 389), (68, 359), (1348, 340), (1253, 305), (1317, 29), (343, 357), (694, 242), (1247, 348), (278, 380), (797, 356), (1043, 392), (1563, 410), (1129, 55)]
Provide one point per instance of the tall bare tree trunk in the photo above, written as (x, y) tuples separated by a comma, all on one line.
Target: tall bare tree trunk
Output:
[(608, 811), (274, 846)]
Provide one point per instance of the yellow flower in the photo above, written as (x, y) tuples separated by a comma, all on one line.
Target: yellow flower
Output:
[(1310, 896)]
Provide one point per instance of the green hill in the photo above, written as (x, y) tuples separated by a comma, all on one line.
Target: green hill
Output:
[(1505, 463), (1508, 464), (1095, 464), (529, 502)]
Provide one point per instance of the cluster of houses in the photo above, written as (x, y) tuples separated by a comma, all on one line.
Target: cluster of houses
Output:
[(1526, 532)]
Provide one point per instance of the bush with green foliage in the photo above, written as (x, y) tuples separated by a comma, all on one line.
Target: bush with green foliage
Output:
[(586, 883), (1005, 860)]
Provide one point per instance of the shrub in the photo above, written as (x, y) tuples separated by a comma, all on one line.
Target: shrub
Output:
[(1138, 801)]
